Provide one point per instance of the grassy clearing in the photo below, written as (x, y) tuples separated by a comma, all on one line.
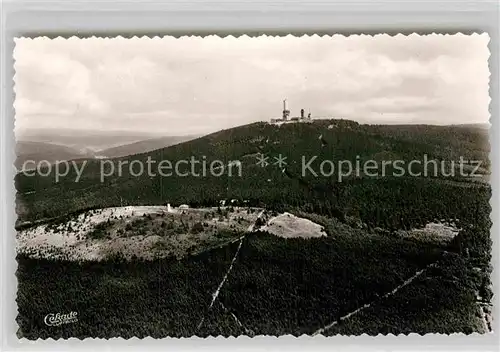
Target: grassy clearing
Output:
[(136, 232), (290, 226)]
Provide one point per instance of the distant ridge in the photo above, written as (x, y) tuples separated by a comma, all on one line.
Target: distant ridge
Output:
[(143, 146), (37, 151)]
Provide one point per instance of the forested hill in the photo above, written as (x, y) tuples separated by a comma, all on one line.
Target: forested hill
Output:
[(381, 199), (37, 151), (143, 146)]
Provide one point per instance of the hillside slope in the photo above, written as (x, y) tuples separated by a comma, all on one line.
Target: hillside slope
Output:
[(382, 201), (143, 146), (34, 152), (82, 139)]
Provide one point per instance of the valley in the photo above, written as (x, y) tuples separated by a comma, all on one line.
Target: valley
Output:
[(50, 146)]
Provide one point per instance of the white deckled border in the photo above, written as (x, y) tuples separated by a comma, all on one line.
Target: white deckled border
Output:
[(55, 17)]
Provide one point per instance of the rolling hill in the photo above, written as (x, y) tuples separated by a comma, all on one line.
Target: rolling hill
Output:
[(53, 146), (34, 152), (40, 197), (82, 139), (143, 146)]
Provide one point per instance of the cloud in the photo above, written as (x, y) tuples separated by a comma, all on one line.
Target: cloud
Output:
[(198, 85)]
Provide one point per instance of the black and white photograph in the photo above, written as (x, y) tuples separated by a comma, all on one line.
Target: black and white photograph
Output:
[(252, 185)]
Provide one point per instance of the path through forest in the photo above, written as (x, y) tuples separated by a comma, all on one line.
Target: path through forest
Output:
[(368, 305), (221, 284)]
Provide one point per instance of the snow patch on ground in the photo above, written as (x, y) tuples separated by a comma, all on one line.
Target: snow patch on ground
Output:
[(290, 226)]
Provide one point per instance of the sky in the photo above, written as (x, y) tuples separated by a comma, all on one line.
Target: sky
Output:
[(194, 85)]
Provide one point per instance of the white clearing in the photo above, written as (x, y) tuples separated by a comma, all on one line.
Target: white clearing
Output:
[(433, 231), (137, 231), (287, 225), (40, 241)]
